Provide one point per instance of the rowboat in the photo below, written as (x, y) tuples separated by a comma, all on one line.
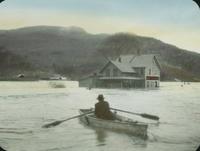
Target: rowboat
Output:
[(121, 124)]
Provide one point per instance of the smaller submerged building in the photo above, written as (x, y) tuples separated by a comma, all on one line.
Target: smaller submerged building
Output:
[(127, 71)]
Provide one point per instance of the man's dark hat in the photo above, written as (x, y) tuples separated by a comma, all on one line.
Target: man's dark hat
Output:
[(100, 97)]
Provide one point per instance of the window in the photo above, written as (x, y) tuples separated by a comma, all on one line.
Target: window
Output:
[(149, 71), (152, 84), (147, 84), (142, 71), (156, 84)]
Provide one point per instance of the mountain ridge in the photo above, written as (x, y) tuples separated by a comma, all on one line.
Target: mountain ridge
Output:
[(74, 52)]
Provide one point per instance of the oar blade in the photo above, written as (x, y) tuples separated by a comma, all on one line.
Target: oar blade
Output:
[(152, 117), (61, 121), (52, 124)]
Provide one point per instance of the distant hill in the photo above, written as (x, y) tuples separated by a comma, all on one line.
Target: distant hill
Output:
[(11, 65), (74, 52)]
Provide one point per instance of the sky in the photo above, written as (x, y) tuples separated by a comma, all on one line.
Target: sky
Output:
[(175, 22)]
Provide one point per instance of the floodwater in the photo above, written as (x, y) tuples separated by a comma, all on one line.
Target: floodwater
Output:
[(26, 106)]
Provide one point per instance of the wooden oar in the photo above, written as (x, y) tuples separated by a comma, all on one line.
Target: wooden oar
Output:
[(144, 115), (55, 123)]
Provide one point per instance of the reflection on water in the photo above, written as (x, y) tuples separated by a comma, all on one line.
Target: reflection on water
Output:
[(100, 136)]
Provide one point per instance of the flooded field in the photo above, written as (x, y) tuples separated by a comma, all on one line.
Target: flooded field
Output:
[(26, 106)]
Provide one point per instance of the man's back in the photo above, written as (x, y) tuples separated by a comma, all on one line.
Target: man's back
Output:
[(102, 110)]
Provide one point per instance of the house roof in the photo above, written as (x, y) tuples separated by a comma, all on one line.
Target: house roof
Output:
[(127, 63), (126, 58), (140, 60), (123, 67)]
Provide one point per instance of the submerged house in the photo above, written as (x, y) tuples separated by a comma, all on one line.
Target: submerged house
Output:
[(127, 71)]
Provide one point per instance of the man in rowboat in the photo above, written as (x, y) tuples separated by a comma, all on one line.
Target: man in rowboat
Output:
[(102, 109)]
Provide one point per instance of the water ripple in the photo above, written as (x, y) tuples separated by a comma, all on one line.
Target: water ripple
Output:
[(15, 131)]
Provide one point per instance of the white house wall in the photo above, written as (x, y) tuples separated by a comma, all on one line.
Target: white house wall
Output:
[(152, 70)]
